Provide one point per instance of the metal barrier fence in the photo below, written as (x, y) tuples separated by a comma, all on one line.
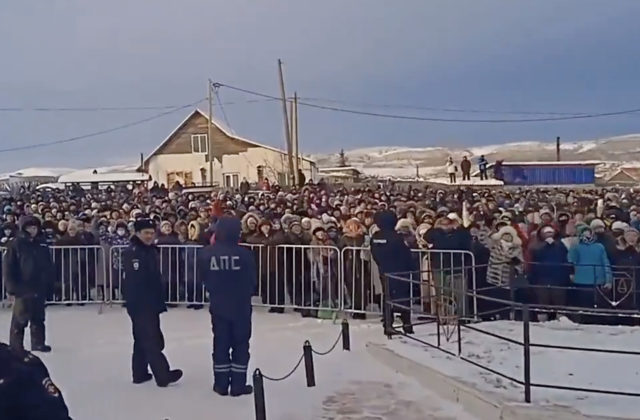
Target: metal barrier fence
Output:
[(79, 275), (301, 277), (451, 329)]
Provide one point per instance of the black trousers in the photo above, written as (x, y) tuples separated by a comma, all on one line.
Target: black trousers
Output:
[(483, 174), (466, 176), (230, 351), (452, 178), (148, 343), (27, 311)]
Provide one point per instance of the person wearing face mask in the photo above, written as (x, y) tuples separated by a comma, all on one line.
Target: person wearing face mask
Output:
[(592, 268), (549, 270), (505, 258)]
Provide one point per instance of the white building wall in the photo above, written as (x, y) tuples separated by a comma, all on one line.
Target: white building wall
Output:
[(245, 165)]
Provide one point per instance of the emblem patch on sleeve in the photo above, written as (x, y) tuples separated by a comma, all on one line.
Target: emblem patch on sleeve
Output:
[(50, 387), (136, 264)]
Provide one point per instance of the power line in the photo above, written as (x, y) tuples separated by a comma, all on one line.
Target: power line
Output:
[(101, 132), (436, 119), (113, 108), (439, 109)]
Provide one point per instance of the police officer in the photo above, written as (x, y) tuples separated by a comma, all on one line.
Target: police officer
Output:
[(143, 293), (28, 273), (392, 255), (229, 274), (26, 391)]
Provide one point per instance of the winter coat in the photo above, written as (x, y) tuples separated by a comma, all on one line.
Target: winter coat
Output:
[(142, 284), (549, 265), (626, 261), (504, 263), (465, 166), (451, 167), (27, 267), (442, 240), (591, 263), (229, 273), (482, 164), (392, 255)]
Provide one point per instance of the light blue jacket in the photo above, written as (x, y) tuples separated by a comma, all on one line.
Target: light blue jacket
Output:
[(591, 263)]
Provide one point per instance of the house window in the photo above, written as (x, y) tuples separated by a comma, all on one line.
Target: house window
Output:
[(184, 177), (199, 143), (231, 180)]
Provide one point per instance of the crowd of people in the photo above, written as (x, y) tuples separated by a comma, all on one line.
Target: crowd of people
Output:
[(561, 246)]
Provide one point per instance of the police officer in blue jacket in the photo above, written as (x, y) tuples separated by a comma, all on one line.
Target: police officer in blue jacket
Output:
[(229, 274), (26, 390), (392, 255)]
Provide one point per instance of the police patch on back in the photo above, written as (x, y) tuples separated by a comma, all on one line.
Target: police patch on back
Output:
[(224, 263)]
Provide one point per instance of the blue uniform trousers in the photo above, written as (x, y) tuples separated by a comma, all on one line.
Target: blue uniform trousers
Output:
[(230, 351)]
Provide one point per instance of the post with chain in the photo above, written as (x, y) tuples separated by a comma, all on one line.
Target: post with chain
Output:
[(258, 395), (307, 351), (527, 352), (346, 340)]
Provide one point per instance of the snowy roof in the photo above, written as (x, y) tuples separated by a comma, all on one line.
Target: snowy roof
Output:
[(87, 176), (37, 173), (554, 163), (338, 169), (222, 128)]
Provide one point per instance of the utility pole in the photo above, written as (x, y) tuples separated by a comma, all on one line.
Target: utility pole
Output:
[(558, 149), (141, 162), (210, 131), (296, 143), (286, 121), (417, 171)]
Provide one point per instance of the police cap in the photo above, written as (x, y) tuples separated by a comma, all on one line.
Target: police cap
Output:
[(142, 224)]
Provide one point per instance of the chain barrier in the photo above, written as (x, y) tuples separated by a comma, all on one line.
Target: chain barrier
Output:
[(319, 353), (307, 357), (288, 375)]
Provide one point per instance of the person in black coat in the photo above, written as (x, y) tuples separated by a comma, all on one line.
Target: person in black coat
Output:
[(549, 269), (144, 299), (26, 390), (229, 274), (392, 255), (28, 274)]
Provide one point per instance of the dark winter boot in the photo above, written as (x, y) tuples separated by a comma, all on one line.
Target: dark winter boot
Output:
[(408, 329), (242, 390), (41, 348), (276, 310), (221, 383), (239, 385), (359, 315), (142, 379), (173, 377)]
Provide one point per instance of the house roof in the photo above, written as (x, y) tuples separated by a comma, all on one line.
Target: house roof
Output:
[(632, 172), (82, 177), (339, 168), (220, 127)]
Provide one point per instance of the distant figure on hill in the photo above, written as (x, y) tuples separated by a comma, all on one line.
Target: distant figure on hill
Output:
[(482, 166), (451, 170), (465, 167)]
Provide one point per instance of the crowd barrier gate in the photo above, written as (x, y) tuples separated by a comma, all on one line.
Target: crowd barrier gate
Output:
[(300, 277), (79, 275)]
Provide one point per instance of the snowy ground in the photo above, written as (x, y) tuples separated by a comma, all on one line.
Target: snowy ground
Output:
[(548, 366), (91, 360)]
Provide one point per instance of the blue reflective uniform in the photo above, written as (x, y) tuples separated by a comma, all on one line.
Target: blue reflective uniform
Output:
[(229, 273)]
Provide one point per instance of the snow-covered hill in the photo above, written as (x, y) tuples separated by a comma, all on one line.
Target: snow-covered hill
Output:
[(402, 161)]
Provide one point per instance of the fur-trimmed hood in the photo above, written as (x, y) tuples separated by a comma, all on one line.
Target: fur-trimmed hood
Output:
[(507, 230)]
